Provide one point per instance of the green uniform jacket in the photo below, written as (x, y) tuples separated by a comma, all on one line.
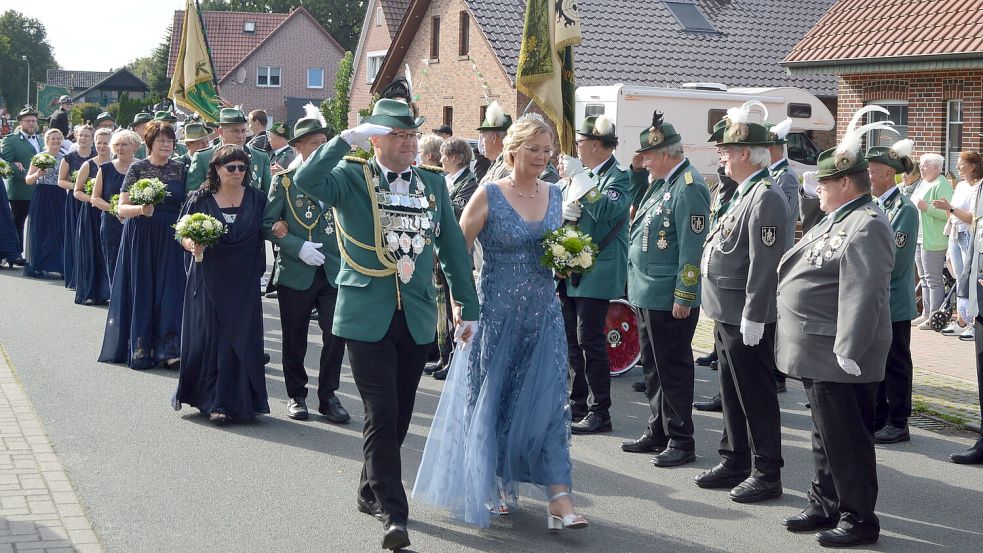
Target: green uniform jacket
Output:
[(660, 276), (604, 208), (366, 302), (16, 148), (903, 216), (141, 152), (259, 175), (498, 170), (460, 193), (306, 221)]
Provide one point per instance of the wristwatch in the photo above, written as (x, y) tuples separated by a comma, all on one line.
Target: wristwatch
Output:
[(952, 209)]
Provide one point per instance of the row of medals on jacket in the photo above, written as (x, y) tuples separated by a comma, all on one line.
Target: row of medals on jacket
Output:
[(661, 209), (406, 221)]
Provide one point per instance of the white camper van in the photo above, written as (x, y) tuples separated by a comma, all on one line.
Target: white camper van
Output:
[(695, 108)]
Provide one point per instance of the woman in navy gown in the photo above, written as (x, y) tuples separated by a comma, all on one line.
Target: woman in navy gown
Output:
[(9, 241), (45, 234), (144, 324), (504, 422), (72, 162), (109, 182), (91, 280), (222, 370)]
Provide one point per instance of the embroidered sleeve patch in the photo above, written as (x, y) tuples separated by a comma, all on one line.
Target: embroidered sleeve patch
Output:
[(697, 223), (688, 178), (900, 239), (593, 195), (690, 275), (613, 195), (685, 296), (768, 236)]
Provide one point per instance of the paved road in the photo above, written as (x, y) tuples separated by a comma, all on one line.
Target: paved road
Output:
[(153, 479)]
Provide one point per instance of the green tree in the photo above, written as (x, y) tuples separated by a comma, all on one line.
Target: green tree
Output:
[(22, 36), (336, 109), (157, 79), (341, 18)]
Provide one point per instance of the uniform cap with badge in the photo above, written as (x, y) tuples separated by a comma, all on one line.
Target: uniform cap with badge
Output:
[(600, 128), (896, 156), (28, 111), (845, 158), (778, 133), (495, 118), (312, 123), (738, 128), (657, 136), (280, 129)]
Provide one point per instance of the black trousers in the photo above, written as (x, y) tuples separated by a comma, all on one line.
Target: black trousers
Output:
[(19, 209), (387, 374), (445, 317), (269, 284), (669, 371), (295, 313), (770, 330), (583, 319), (752, 422), (845, 483), (894, 392), (979, 373)]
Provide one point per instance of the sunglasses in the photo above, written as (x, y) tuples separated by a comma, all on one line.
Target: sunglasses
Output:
[(236, 167)]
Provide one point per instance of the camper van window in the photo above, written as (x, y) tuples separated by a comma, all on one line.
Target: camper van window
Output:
[(801, 149), (593, 110), (713, 117), (802, 111)]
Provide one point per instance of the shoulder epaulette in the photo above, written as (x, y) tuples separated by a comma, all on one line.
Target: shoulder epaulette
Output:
[(283, 171), (431, 168), (355, 159), (688, 178)]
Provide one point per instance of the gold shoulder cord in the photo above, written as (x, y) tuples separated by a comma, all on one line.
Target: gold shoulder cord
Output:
[(285, 182)]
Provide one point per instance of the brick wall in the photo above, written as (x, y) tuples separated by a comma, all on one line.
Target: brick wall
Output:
[(377, 39), (926, 94), (294, 48)]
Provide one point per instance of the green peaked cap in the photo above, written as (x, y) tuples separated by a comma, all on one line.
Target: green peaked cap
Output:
[(589, 129), (280, 130), (195, 131), (142, 117), (231, 116), (833, 166), (658, 136), (391, 113), (308, 126), (165, 116)]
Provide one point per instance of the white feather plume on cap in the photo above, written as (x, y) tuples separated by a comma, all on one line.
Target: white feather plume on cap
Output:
[(312, 112), (603, 126), (782, 129), (494, 114), (742, 113), (904, 147), (853, 137)]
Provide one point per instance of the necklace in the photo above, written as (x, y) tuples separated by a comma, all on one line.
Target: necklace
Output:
[(516, 189)]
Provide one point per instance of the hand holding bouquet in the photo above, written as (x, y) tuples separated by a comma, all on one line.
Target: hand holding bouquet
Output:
[(148, 192), (43, 161), (5, 169), (114, 206), (89, 186), (567, 251), (202, 229)]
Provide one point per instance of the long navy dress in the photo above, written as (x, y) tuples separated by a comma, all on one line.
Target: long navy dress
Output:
[(46, 226), (110, 229), (144, 324), (222, 337), (91, 280), (72, 208), (9, 241)]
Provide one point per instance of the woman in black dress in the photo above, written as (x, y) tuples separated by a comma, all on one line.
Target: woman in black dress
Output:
[(109, 182), (72, 162), (91, 280), (222, 370), (45, 233)]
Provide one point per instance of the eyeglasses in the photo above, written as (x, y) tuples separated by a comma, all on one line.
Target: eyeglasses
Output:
[(406, 135), (236, 167), (165, 141), (536, 151)]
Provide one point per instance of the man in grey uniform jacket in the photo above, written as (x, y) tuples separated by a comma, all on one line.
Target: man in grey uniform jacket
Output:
[(834, 332)]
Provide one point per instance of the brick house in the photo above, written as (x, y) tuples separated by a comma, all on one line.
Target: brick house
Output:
[(272, 61), (923, 63), (463, 53), (379, 27)]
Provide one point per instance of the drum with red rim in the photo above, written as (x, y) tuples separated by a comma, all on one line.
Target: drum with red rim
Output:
[(622, 336)]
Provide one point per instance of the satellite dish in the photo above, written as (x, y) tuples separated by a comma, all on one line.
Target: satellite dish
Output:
[(241, 76)]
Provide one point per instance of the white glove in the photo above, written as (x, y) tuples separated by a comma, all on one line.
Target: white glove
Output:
[(571, 211), (359, 136), (568, 166), (465, 325), (810, 182), (309, 254), (849, 366), (751, 332)]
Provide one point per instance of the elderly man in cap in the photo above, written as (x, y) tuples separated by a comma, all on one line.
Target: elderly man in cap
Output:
[(105, 121), (59, 119), (195, 138), (665, 240), (834, 334), (491, 134), (281, 154), (392, 218), (232, 130), (739, 280), (139, 124), (18, 148), (305, 274), (596, 200)]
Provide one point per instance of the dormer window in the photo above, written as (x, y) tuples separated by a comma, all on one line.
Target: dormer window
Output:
[(249, 27)]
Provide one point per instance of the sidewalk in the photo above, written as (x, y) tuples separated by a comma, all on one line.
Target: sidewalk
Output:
[(944, 378), (39, 509)]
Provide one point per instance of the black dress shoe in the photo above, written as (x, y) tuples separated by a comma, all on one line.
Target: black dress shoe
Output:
[(646, 444), (715, 404), (714, 365), (441, 374), (368, 507), (297, 409), (273, 294), (638, 386), (842, 537), (973, 456), (755, 489), (395, 536), (333, 411), (891, 434), (19, 262), (431, 368), (706, 359), (592, 424), (266, 359), (804, 522), (673, 457), (314, 314), (721, 477)]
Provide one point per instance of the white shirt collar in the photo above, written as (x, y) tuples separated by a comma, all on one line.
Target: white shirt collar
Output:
[(674, 169), (451, 178), (597, 169), (399, 185), (776, 164), (883, 197), (277, 151)]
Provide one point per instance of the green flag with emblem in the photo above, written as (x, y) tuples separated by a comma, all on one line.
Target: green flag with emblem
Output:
[(193, 85)]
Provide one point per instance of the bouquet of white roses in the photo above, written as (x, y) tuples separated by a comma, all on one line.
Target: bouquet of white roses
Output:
[(567, 250), (89, 186), (5, 169), (148, 191), (202, 229), (43, 160), (114, 205)]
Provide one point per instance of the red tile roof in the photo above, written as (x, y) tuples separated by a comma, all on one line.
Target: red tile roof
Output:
[(876, 29), (229, 43)]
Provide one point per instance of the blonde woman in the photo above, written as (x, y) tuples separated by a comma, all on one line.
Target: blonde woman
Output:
[(91, 277), (82, 151), (429, 147), (46, 229), (109, 180)]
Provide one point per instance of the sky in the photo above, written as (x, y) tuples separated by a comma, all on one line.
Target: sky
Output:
[(99, 35)]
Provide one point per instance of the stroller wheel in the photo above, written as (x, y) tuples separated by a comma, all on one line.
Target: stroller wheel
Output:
[(939, 320)]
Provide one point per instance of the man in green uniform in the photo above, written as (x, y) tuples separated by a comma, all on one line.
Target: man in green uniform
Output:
[(894, 393), (138, 126), (18, 148), (232, 130), (597, 198), (281, 154), (665, 241), (391, 219), (491, 136), (195, 138)]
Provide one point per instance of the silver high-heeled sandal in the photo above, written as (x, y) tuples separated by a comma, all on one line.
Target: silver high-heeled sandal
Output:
[(571, 521)]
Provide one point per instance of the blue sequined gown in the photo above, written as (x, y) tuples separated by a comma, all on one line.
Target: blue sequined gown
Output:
[(504, 421)]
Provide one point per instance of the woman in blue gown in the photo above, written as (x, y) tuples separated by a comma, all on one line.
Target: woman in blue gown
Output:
[(45, 235), (9, 241), (109, 183), (91, 280), (503, 421), (143, 328), (72, 162), (222, 372)]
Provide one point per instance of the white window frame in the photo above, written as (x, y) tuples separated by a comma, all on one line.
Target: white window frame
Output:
[(268, 73), (950, 163), (369, 57), (309, 69), (873, 139)]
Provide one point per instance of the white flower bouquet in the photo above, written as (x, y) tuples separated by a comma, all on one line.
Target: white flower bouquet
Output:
[(202, 229), (567, 250), (5, 169), (114, 205), (43, 161), (148, 191), (89, 186)]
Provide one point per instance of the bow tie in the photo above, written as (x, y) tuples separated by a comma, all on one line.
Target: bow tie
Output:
[(390, 176)]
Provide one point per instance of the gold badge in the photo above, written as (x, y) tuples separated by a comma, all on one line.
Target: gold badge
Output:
[(738, 132), (285, 181), (688, 178), (300, 202), (844, 160), (655, 137)]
